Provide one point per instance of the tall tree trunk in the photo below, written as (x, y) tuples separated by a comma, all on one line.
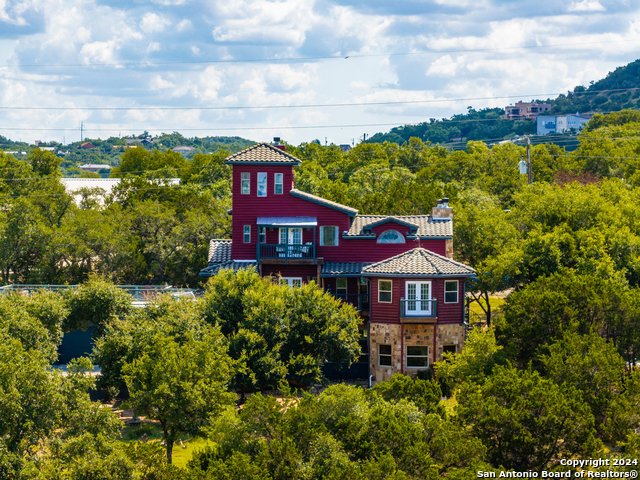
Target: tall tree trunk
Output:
[(488, 310), (169, 451)]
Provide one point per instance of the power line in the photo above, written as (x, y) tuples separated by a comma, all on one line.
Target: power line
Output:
[(322, 105), (310, 58)]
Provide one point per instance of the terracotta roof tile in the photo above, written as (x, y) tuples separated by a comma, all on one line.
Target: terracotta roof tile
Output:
[(418, 262), (219, 250), (427, 225), (262, 153)]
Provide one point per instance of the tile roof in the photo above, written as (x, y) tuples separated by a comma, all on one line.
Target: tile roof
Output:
[(418, 262), (427, 226), (212, 270), (262, 153), (219, 250), (323, 201), (342, 268)]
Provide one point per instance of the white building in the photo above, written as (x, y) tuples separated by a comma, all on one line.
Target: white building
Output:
[(561, 123)]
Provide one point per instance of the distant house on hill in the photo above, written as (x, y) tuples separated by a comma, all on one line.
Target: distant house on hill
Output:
[(94, 168), (86, 145), (182, 149), (525, 111), (75, 186), (561, 123), (143, 141)]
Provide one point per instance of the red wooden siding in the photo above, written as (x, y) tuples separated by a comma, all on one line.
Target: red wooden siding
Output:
[(390, 312)]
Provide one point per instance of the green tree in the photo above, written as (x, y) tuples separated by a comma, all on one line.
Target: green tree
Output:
[(525, 421), (424, 394), (181, 384)]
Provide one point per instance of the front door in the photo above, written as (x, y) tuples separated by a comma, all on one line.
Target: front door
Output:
[(418, 299)]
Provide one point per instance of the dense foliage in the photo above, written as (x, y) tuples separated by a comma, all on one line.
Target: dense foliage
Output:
[(551, 374)]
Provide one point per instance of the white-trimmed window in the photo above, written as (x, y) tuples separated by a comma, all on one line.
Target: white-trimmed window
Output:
[(277, 183), (418, 299), (451, 291), (417, 356), (291, 281), (391, 236), (245, 180), (262, 234), (262, 184), (341, 286), (384, 355), (329, 236), (384, 291), (246, 234)]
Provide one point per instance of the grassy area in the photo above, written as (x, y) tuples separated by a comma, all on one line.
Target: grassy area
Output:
[(495, 302), (181, 454)]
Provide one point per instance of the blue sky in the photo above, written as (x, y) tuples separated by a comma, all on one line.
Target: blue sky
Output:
[(113, 64)]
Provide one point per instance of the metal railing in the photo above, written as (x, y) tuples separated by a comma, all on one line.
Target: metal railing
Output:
[(418, 308), (139, 293), (287, 251), (359, 300)]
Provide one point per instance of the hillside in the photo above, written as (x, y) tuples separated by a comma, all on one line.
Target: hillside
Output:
[(488, 124)]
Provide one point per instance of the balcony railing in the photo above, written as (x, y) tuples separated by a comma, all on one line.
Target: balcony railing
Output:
[(359, 300), (418, 308), (287, 251)]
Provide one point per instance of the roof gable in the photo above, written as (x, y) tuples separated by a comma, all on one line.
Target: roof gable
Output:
[(418, 262), (390, 219), (427, 226), (262, 154)]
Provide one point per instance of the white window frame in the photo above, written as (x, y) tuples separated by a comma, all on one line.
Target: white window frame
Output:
[(381, 238), (426, 357), (261, 182), (457, 291), (245, 177), (335, 236), (418, 311), (390, 291), (290, 281), (246, 232), (380, 355), (338, 288), (278, 180)]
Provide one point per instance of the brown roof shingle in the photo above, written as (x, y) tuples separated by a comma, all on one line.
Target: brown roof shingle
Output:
[(262, 153), (428, 227), (418, 262)]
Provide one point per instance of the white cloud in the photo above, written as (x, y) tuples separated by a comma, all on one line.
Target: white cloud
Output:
[(153, 47), (98, 52), (152, 23), (586, 6)]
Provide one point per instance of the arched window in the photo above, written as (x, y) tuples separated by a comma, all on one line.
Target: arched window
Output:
[(391, 236)]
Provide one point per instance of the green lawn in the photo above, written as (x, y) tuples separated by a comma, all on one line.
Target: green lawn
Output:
[(181, 454), (495, 302)]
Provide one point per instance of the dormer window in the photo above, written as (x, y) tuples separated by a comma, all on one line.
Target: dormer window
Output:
[(245, 184), (391, 236), (262, 184), (277, 183)]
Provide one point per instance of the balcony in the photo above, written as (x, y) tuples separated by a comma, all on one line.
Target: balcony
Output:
[(359, 300), (287, 253), (418, 311)]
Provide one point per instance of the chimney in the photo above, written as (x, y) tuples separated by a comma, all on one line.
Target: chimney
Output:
[(276, 143), (442, 210)]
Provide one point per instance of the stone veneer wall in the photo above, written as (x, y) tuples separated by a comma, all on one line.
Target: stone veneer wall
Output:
[(453, 334), (414, 334)]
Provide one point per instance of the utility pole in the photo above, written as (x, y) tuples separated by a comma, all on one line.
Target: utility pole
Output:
[(529, 172), (81, 130)]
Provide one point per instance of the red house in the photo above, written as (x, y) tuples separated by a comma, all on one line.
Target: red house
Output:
[(397, 271)]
